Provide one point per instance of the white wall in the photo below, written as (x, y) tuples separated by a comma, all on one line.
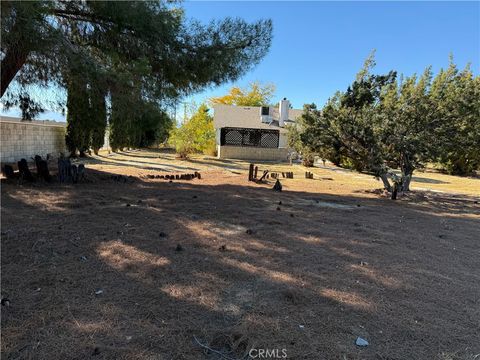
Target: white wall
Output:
[(25, 139)]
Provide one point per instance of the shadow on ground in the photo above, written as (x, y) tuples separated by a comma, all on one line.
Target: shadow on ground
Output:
[(257, 269)]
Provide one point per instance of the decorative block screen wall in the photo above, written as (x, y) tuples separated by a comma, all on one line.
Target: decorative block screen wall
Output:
[(249, 137)]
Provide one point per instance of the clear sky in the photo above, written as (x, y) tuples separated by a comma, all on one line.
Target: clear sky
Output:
[(319, 46)]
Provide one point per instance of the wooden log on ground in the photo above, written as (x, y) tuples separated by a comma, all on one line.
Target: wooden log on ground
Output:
[(263, 176)]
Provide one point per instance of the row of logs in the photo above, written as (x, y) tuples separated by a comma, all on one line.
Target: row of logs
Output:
[(253, 174), (287, 175), (195, 175), (66, 171)]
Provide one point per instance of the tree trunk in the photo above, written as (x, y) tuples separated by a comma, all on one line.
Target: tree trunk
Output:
[(11, 65), (15, 56), (386, 183), (406, 179)]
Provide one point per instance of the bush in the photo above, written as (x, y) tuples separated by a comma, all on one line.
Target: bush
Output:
[(197, 135)]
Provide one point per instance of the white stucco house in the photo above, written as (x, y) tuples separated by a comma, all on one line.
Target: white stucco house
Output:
[(253, 132)]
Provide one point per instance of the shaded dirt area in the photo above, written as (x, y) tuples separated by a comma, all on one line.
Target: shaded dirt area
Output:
[(306, 270)]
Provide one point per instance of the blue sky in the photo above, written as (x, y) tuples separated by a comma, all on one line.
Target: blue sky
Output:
[(318, 47)]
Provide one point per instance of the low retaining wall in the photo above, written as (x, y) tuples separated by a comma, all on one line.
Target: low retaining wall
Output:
[(252, 153), (25, 139)]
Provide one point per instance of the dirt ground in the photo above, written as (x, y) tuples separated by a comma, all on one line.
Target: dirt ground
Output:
[(92, 270)]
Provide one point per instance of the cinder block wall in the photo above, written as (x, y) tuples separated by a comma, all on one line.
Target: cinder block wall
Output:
[(25, 139), (252, 153)]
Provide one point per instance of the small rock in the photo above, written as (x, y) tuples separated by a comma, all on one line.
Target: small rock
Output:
[(194, 196), (278, 208), (363, 263), (358, 205), (361, 342), (280, 203), (291, 215), (96, 351), (5, 302), (98, 292), (249, 231), (223, 248), (301, 326), (128, 338), (127, 205), (179, 248), (162, 234), (83, 258)]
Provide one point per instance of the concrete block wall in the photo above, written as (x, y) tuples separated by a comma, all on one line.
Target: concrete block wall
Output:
[(25, 139), (252, 153)]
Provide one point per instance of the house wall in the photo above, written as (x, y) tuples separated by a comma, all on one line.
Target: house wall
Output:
[(247, 117), (25, 139), (252, 153)]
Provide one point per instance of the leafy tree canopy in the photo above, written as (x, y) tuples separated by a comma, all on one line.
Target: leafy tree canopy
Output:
[(381, 122), (147, 45), (255, 95)]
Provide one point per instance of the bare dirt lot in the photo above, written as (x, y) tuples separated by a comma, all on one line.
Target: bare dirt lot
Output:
[(92, 270)]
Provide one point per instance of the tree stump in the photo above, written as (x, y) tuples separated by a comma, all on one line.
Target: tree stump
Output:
[(74, 172), (277, 186), (25, 173), (8, 172), (64, 170), (250, 172), (81, 172)]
